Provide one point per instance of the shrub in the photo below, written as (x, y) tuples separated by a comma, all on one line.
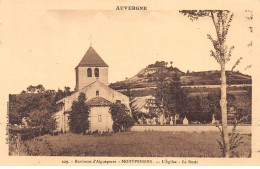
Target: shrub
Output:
[(121, 117), (78, 116), (235, 140)]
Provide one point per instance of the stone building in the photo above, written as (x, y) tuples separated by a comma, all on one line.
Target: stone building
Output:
[(92, 79)]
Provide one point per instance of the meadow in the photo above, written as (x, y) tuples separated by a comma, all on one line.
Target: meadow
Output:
[(130, 144)]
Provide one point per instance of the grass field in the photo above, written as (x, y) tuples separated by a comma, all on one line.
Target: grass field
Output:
[(131, 144)]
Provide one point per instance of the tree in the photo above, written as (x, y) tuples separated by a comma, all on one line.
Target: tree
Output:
[(61, 94), (78, 116), (38, 108), (244, 107), (197, 110), (122, 119), (40, 88), (31, 89), (170, 97), (214, 104), (158, 64), (221, 20), (201, 108), (162, 94), (67, 91), (44, 119), (177, 96)]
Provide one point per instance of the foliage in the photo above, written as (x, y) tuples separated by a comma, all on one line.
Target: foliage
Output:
[(63, 93), (244, 115), (78, 116), (235, 141), (197, 110), (177, 98), (43, 119), (37, 105), (244, 107), (37, 108), (214, 105), (122, 120), (201, 108), (33, 89), (170, 97), (158, 64), (205, 103), (26, 133)]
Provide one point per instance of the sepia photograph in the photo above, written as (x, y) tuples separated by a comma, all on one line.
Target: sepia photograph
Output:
[(128, 81)]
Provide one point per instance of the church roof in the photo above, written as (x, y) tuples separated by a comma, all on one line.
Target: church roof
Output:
[(92, 59), (98, 101)]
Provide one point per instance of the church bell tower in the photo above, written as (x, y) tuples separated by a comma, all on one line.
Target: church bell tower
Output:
[(91, 68)]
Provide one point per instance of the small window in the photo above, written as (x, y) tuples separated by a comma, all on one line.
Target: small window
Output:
[(96, 72), (97, 93), (89, 72), (99, 118)]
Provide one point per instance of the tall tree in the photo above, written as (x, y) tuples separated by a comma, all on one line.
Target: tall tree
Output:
[(162, 94), (170, 97), (221, 20), (78, 116), (177, 96)]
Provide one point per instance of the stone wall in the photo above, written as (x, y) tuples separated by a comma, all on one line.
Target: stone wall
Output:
[(100, 119), (246, 129)]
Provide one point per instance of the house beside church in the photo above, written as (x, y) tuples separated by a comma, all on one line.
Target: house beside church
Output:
[(91, 79)]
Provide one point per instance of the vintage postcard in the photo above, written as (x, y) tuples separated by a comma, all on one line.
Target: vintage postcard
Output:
[(129, 82)]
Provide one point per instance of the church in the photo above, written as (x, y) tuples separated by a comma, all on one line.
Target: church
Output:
[(91, 79)]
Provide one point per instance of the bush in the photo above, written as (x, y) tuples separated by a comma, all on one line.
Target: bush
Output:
[(235, 140), (115, 127), (121, 117), (78, 116)]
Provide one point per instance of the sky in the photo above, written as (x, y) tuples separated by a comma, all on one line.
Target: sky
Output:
[(43, 45)]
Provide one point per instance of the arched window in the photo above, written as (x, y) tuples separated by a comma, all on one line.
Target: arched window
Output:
[(99, 118), (89, 72), (97, 93), (96, 72)]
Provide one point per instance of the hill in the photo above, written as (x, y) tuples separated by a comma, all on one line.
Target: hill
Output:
[(149, 77)]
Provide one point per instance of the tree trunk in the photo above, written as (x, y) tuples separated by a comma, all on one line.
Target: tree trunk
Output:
[(223, 104)]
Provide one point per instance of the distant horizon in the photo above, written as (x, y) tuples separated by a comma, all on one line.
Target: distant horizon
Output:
[(190, 71)]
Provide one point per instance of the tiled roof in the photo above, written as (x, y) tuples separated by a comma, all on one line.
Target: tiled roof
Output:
[(140, 102), (92, 59), (98, 101)]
